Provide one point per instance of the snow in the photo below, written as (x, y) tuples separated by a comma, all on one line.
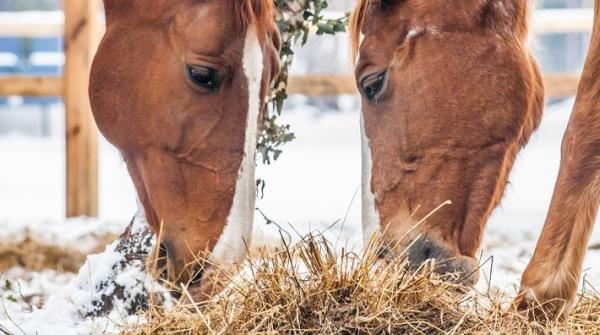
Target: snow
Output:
[(105, 279), (32, 181), (8, 59), (60, 313), (315, 183), (65, 309)]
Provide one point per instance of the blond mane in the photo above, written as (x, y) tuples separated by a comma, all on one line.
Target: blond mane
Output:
[(258, 12), (357, 19)]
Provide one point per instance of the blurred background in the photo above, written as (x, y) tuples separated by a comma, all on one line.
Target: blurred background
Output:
[(315, 182)]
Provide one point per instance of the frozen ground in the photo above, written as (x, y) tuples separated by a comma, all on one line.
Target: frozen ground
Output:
[(313, 185)]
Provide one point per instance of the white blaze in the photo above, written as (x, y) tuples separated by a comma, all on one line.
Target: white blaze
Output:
[(238, 227), (370, 216)]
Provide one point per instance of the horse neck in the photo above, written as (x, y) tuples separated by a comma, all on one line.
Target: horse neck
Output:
[(589, 85)]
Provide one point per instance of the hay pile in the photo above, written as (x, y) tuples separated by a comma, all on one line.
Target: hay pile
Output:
[(309, 289)]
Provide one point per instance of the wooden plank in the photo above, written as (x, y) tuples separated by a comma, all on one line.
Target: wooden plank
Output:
[(34, 86), (561, 85), (32, 24), (82, 136), (322, 85), (562, 21), (36, 24)]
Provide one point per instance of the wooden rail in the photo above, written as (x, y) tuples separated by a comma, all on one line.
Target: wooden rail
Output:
[(32, 24), (79, 26), (35, 86), (562, 21), (561, 85)]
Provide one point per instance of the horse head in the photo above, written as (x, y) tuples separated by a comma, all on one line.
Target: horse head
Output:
[(179, 87), (450, 94)]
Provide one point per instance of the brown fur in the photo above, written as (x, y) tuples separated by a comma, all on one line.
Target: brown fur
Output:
[(514, 16), (183, 145), (555, 269), (463, 96)]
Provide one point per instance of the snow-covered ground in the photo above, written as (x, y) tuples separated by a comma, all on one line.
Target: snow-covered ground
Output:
[(314, 184)]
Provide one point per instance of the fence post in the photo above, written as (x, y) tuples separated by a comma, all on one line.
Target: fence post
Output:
[(80, 42)]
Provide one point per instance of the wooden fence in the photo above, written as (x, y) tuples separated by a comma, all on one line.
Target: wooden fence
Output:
[(81, 29)]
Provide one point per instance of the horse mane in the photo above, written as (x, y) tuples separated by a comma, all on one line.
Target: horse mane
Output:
[(357, 20), (261, 13), (508, 17)]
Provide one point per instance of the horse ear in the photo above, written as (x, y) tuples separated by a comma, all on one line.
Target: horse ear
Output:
[(506, 17)]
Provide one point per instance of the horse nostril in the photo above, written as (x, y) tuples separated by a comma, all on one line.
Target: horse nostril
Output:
[(412, 159), (423, 250), (427, 253), (411, 163)]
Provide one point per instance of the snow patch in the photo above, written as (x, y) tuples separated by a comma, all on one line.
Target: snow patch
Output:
[(107, 292)]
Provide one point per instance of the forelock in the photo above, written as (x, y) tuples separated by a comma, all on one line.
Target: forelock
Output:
[(261, 13), (357, 20)]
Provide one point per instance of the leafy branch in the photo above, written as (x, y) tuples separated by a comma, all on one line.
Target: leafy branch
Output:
[(295, 20)]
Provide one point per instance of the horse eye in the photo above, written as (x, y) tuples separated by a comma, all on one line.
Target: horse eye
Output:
[(203, 76), (373, 84)]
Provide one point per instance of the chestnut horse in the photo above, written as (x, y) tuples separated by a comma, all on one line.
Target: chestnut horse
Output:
[(179, 87), (450, 94)]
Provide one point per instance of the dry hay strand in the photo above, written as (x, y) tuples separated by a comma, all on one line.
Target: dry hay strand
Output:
[(311, 289), (33, 254)]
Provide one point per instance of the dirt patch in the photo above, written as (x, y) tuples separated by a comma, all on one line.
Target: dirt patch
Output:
[(33, 254)]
